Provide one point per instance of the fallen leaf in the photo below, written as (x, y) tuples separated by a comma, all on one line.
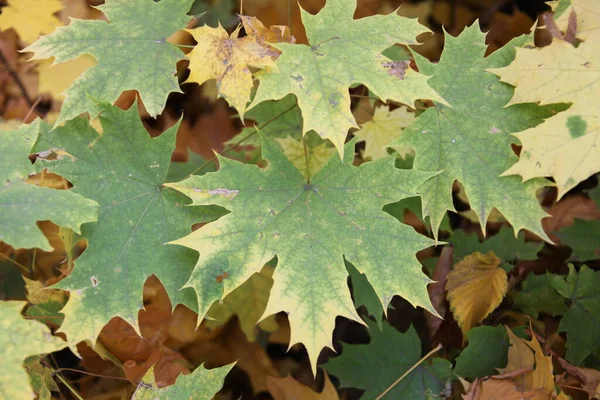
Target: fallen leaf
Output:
[(476, 286), (290, 389)]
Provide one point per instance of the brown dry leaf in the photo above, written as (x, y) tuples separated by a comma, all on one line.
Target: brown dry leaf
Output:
[(566, 210), (476, 286), (502, 389), (290, 389), (588, 378), (437, 290), (160, 341), (231, 345), (228, 59), (520, 356)]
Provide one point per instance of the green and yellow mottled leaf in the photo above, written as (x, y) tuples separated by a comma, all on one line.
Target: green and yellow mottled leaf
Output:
[(311, 227), (342, 52), (471, 142), (123, 170), (132, 53), (19, 339)]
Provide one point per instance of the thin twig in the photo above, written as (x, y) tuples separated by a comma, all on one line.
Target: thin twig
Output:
[(16, 78), (18, 264), (411, 369), (31, 109), (200, 168), (59, 370)]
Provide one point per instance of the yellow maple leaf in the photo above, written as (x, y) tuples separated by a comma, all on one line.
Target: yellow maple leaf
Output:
[(385, 127), (30, 18), (565, 146), (228, 59), (476, 286), (308, 159)]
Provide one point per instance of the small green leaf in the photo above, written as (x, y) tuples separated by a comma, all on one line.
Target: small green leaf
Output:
[(486, 352), (538, 295), (582, 320), (375, 366)]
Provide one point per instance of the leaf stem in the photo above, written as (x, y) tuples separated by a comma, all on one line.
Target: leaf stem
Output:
[(256, 129), (411, 369), (16, 78), (18, 264), (187, 46), (307, 167)]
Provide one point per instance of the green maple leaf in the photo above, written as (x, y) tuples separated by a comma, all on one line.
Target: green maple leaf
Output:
[(538, 295), (22, 204), (343, 52), (375, 366), (581, 322), (486, 352), (202, 384), (364, 295), (584, 238), (132, 54), (471, 142), (123, 170), (504, 244), (21, 338), (311, 227)]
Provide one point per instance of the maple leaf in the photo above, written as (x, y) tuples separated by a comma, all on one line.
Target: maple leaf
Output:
[(30, 18), (290, 389), (21, 338), (342, 52), (471, 142), (385, 127), (582, 237), (581, 322), (228, 58), (123, 170), (275, 211), (476, 286), (201, 384), (538, 295), (131, 53), (504, 244), (375, 366), (565, 147), (23, 204)]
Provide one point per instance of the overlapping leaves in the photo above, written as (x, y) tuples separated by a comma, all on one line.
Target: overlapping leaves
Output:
[(343, 52), (471, 141), (126, 41), (123, 170)]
